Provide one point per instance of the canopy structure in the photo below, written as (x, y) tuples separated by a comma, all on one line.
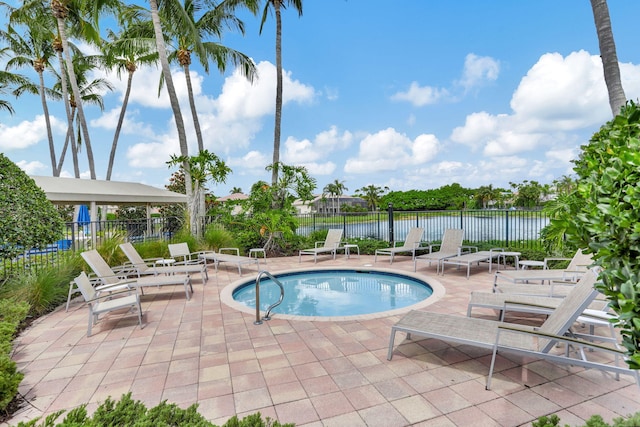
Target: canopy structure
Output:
[(73, 191), (92, 192)]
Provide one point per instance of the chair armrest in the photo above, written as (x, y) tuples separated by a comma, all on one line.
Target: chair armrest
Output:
[(318, 244), (122, 284), (468, 249), (434, 245), (110, 294), (236, 250)]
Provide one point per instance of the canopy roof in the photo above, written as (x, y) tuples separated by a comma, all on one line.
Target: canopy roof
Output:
[(72, 191)]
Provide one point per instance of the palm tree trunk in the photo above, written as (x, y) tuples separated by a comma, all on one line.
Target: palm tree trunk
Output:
[(114, 144), (175, 106), (278, 113), (617, 98), (192, 105), (47, 119), (65, 99), (76, 95)]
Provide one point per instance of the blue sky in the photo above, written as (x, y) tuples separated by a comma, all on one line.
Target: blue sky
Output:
[(414, 94)]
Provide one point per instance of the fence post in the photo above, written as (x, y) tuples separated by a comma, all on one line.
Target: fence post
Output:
[(391, 238), (506, 226)]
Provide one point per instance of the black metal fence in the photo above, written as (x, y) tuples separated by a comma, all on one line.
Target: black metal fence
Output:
[(504, 228), (508, 228)]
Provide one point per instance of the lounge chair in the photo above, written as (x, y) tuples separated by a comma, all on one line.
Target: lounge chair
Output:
[(330, 245), (472, 258), (104, 299), (519, 281), (597, 314), (233, 258), (411, 244), (450, 247), (532, 342), (162, 266), (108, 277)]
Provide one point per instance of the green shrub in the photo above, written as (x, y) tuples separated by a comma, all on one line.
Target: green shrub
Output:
[(43, 289), (10, 379), (127, 412), (109, 249), (594, 421), (216, 237), (608, 221)]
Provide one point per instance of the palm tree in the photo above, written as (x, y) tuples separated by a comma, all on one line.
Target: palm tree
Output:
[(125, 53), (90, 91), (372, 195), (236, 190), (33, 50), (177, 113), (190, 39), (61, 10), (277, 5), (7, 80), (617, 98)]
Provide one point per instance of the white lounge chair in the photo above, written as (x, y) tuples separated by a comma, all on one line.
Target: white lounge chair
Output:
[(233, 258), (411, 244), (450, 247), (330, 245), (108, 277), (104, 299), (471, 258), (531, 342), (158, 266), (519, 281)]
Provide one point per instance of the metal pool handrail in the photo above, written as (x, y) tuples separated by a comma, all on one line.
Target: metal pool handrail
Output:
[(272, 306)]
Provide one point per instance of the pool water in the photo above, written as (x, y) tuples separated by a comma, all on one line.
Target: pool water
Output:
[(335, 292)]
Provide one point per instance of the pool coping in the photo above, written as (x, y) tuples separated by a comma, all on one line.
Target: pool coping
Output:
[(226, 295)]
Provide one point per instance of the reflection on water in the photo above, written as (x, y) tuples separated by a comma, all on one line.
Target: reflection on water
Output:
[(336, 293)]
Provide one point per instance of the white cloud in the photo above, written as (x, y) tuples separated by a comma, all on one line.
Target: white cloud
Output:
[(559, 95), (229, 122), (32, 168), (389, 150), (478, 70), (28, 133), (421, 95), (323, 145)]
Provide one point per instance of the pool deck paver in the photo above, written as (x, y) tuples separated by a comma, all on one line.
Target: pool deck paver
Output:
[(308, 372)]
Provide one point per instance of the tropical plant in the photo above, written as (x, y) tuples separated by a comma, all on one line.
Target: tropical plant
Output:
[(91, 93), (293, 182), (372, 194), (124, 52), (190, 23), (204, 167), (277, 5), (334, 189), (608, 223), (177, 113), (27, 218), (216, 237), (33, 50), (608, 55)]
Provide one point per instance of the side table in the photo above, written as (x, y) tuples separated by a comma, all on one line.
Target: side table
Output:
[(504, 255), (348, 248)]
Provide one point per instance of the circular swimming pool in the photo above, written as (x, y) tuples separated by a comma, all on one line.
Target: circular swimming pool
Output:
[(318, 294)]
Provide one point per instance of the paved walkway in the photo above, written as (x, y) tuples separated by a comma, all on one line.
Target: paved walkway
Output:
[(311, 373)]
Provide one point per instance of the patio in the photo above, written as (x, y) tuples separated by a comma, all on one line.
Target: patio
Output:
[(311, 373)]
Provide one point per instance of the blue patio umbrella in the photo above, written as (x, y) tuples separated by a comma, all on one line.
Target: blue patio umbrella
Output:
[(84, 219)]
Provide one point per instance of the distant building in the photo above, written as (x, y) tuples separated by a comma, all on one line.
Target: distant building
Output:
[(233, 199), (328, 205)]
